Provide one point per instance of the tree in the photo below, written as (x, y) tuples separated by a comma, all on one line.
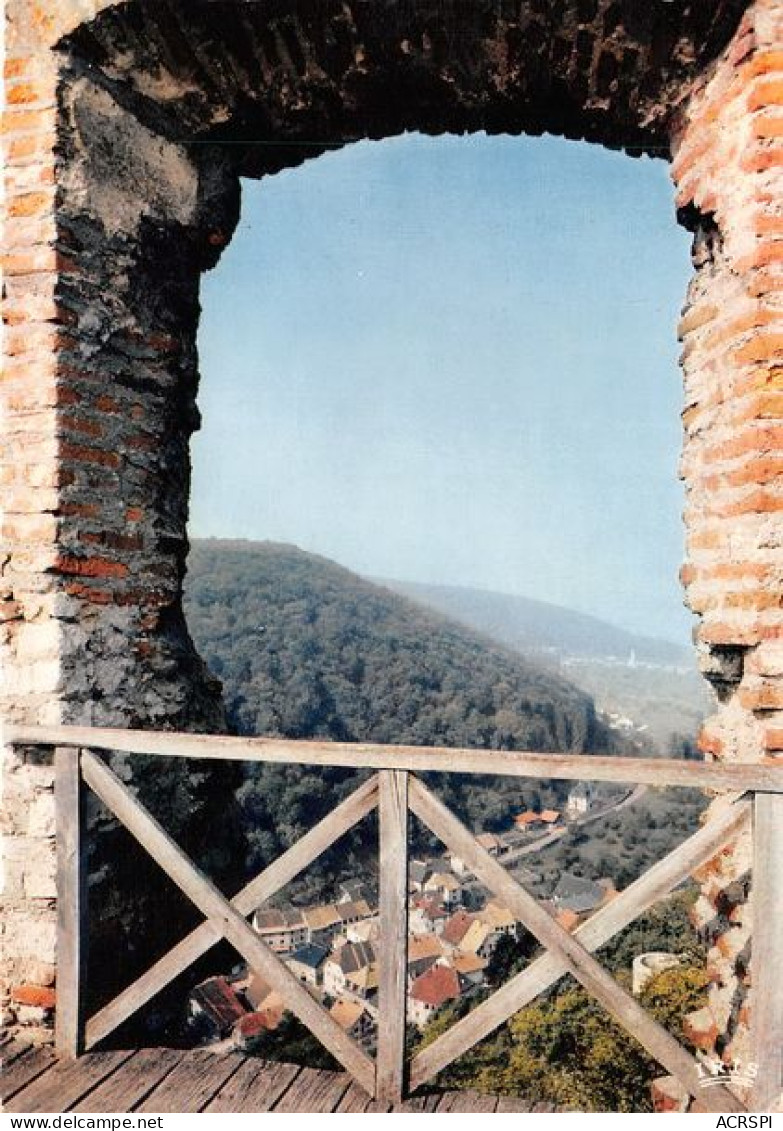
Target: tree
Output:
[(566, 1050)]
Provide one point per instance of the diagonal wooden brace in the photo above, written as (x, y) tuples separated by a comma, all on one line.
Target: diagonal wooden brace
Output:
[(642, 894), (226, 919), (280, 872), (575, 958)]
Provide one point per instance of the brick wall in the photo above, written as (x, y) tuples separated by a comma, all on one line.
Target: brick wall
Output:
[(727, 169)]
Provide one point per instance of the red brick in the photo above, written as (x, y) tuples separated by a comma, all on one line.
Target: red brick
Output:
[(82, 425), (764, 470), (89, 455), (79, 510), (42, 996), (91, 567), (768, 125), (773, 738), (766, 698), (768, 92), (88, 593), (760, 159), (29, 91), (112, 541), (763, 63), (107, 404)]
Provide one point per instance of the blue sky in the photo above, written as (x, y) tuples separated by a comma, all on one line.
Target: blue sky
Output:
[(454, 360)]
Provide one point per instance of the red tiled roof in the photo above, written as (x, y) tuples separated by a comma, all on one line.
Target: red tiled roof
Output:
[(457, 927), (528, 818), (218, 999), (432, 906), (436, 986), (262, 1021)]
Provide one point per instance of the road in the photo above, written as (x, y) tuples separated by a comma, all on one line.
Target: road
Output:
[(556, 834)]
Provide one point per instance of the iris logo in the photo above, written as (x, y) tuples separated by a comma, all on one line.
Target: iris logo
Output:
[(712, 1071)]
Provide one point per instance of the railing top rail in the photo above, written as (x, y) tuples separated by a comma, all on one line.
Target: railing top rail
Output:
[(763, 777)]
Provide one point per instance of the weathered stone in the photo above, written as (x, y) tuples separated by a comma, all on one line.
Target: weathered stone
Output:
[(108, 237)]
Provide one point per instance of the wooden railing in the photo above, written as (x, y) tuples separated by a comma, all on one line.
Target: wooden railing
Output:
[(755, 798)]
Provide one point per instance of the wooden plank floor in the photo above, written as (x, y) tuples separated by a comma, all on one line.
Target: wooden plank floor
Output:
[(173, 1080)]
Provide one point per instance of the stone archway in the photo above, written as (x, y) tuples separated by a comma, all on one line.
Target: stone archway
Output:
[(129, 126)]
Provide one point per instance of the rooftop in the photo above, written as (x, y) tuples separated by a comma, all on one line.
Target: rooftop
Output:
[(436, 986), (457, 927), (353, 956), (219, 1001), (319, 918), (346, 1012), (311, 955), (577, 894), (278, 918)]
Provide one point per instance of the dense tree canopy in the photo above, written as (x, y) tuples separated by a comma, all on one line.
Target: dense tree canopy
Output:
[(307, 649)]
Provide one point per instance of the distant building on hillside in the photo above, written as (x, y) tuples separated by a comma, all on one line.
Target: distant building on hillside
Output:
[(580, 799)]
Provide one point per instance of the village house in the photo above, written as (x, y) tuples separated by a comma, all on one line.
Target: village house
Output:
[(423, 952), (418, 871), (427, 915), (282, 928), (456, 927), (216, 1007), (499, 918), (446, 886), (550, 817), (479, 939), (580, 799), (261, 997), (350, 958), (251, 1027), (363, 983), (532, 821), (322, 924), (353, 1019), (307, 964), (527, 820), (574, 893), (469, 968), (366, 930), (429, 992), (352, 911)]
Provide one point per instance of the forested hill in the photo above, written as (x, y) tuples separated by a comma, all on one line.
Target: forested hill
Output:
[(307, 649), (534, 626)]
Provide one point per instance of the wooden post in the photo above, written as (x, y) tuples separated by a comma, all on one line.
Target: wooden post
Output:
[(766, 1007), (230, 922), (392, 990), (71, 902), (575, 958)]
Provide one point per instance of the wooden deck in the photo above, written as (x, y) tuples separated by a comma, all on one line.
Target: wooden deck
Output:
[(173, 1080)]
